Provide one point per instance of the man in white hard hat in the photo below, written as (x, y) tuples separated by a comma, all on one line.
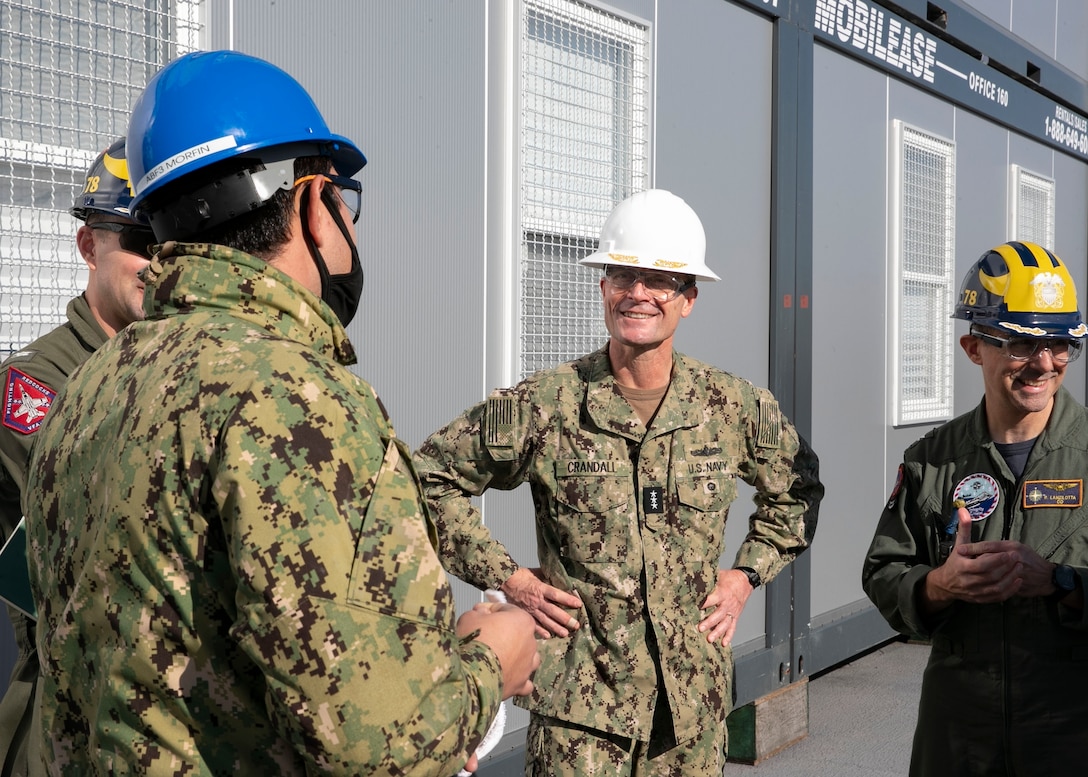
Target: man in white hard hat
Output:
[(632, 453)]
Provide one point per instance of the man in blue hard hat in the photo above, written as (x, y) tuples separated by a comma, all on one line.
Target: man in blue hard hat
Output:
[(248, 581)]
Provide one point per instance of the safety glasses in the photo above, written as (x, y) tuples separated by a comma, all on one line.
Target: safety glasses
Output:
[(351, 191), (659, 285), (1062, 350)]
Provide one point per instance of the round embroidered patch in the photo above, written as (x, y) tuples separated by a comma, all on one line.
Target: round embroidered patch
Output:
[(980, 494)]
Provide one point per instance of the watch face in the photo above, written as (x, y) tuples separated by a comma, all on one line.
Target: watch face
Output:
[(1064, 578)]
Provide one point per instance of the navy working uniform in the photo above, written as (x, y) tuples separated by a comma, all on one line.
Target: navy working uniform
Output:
[(290, 550), (630, 518)]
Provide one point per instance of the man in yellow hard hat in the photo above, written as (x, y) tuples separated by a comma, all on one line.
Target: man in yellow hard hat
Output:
[(982, 547)]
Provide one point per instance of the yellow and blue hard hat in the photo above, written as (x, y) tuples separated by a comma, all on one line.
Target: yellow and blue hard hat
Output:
[(106, 188), (1023, 289)]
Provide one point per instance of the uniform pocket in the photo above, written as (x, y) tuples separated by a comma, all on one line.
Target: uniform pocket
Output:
[(595, 517), (396, 569), (703, 503), (706, 494)]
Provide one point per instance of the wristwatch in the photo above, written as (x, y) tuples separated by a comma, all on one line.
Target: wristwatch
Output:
[(753, 576), (1064, 579)]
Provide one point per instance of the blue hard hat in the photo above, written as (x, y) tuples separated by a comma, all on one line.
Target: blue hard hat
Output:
[(210, 106)]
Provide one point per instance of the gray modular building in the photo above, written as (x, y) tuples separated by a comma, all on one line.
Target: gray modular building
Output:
[(849, 160)]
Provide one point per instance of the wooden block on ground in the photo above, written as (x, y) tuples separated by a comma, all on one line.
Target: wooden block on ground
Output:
[(769, 724)]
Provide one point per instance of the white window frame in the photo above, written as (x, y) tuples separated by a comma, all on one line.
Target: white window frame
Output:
[(1024, 221), (567, 187), (67, 90), (922, 259)]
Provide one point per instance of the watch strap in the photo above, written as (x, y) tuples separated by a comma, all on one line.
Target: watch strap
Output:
[(1064, 580), (753, 576)]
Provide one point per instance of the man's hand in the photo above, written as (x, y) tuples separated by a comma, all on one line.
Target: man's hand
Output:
[(1033, 571), (527, 589), (473, 764), (508, 630), (728, 598), (984, 572)]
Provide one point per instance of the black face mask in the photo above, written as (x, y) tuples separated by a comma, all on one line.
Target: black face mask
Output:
[(340, 292)]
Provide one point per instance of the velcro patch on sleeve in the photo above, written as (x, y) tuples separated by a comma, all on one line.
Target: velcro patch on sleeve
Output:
[(895, 489), (1053, 493), (26, 402), (770, 424), (499, 417)]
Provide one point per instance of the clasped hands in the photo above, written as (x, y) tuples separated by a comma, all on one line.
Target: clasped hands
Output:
[(986, 572)]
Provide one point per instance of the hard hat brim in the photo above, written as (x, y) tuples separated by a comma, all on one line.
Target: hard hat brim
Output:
[(602, 259)]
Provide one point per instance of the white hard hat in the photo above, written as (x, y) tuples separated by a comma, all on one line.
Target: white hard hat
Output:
[(655, 230)]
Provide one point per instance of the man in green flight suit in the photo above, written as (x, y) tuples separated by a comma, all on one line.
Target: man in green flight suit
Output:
[(632, 454), (115, 248), (982, 547), (230, 553)]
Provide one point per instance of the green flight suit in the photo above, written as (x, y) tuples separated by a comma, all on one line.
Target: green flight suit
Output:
[(31, 378), (1005, 691), (231, 557)]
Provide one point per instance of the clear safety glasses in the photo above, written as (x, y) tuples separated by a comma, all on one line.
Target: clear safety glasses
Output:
[(1062, 350), (660, 285), (351, 191)]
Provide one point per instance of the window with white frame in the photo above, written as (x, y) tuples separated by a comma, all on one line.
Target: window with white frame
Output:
[(923, 282), (584, 147), (1031, 208), (70, 71)]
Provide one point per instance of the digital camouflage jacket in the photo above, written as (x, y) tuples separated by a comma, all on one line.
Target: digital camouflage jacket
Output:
[(632, 520), (1006, 687), (30, 378), (231, 558)]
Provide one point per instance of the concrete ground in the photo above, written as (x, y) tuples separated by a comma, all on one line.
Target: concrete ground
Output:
[(861, 722), (861, 719)]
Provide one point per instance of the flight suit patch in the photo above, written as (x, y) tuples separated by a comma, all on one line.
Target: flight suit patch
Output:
[(1053, 493), (26, 401), (895, 489), (980, 494)]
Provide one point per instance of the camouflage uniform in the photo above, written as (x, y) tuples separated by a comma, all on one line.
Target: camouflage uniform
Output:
[(234, 570), (630, 519), (31, 377)]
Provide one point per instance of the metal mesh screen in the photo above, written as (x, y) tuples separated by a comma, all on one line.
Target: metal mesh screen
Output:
[(70, 71), (1032, 207), (926, 264), (584, 148)]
